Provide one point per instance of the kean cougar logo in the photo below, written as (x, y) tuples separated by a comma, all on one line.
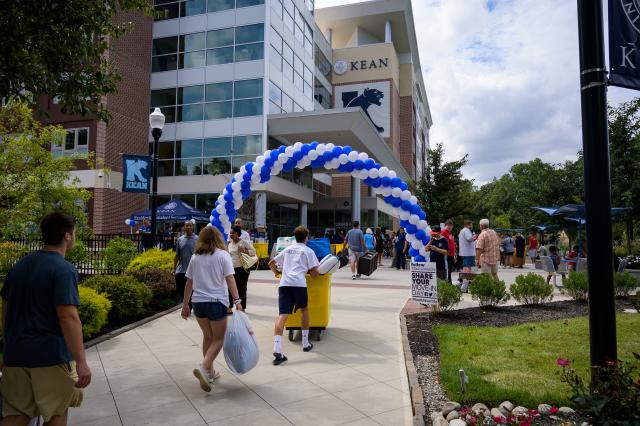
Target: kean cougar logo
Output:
[(134, 174), (369, 97)]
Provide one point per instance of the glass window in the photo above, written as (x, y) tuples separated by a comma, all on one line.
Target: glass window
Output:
[(164, 63), (192, 59), (275, 94), (165, 168), (220, 38), (243, 145), (168, 111), (308, 90), (83, 137), (241, 161), (298, 81), (248, 88), (275, 59), (297, 108), (245, 3), (217, 147), (287, 53), (218, 5), (299, 34), (247, 107), (190, 112), (219, 91), (249, 52), (193, 7), (298, 65), (287, 103), (288, 20), (276, 6), (274, 109), (249, 33), (287, 71), (223, 55), (217, 166), (308, 76), (162, 46), (206, 202), (276, 40), (218, 110), (168, 11), (165, 150), (288, 5), (76, 142), (308, 32), (190, 167), (308, 46), (189, 148), (322, 63), (70, 141), (191, 42), (187, 198), (299, 19), (190, 94), (163, 97)]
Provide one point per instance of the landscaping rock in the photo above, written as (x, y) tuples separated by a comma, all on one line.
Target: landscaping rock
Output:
[(506, 407), (566, 411), (438, 419), (496, 412), (457, 422), (453, 415), (449, 407), (544, 408), (519, 411), (480, 408)]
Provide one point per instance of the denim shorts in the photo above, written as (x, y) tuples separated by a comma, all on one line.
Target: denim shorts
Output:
[(213, 311), (468, 261)]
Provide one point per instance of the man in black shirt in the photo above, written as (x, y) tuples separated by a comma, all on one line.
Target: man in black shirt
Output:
[(438, 248)]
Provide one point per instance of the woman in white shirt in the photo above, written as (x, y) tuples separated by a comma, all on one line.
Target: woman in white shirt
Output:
[(210, 277), (236, 246)]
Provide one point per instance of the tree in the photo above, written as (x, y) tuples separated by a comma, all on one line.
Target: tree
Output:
[(442, 191), (61, 48), (33, 182)]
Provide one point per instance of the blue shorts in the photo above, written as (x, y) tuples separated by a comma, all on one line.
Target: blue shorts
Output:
[(291, 299), (468, 261), (213, 311)]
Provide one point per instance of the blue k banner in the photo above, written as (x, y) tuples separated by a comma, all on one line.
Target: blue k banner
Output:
[(624, 43), (136, 173)]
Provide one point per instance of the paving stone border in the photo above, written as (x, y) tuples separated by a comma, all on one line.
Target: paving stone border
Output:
[(415, 391), (129, 327)]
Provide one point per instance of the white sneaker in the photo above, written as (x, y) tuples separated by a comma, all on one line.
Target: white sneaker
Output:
[(353, 277), (213, 377), (203, 377)]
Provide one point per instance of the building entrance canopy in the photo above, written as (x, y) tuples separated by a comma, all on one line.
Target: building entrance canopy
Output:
[(342, 127)]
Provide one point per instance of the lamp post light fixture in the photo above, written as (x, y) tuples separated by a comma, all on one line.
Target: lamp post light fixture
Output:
[(156, 121)]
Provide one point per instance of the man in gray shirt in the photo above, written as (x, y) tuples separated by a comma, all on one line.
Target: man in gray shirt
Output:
[(356, 245), (184, 250)]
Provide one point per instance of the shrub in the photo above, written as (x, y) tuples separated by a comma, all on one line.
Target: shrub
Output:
[(153, 259), (577, 285), (488, 290), (531, 289), (128, 296), (10, 253), (78, 254), (161, 283), (93, 310), (633, 262), (449, 295), (624, 283), (118, 253)]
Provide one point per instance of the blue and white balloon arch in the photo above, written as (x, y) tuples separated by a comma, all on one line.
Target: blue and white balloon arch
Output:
[(328, 156)]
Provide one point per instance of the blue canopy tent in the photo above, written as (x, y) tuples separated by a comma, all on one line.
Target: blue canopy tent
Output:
[(174, 210)]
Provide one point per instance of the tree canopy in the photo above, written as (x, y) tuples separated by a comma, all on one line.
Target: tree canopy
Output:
[(33, 182), (61, 48)]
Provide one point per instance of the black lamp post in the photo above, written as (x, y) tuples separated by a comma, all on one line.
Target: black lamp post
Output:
[(156, 121)]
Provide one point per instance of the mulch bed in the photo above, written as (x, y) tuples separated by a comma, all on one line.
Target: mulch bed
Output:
[(424, 343)]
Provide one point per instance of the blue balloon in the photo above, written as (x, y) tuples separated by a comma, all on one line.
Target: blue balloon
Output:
[(246, 193), (426, 240), (245, 185), (336, 151), (247, 177), (318, 162), (358, 164), (421, 234), (368, 181), (415, 209), (274, 155), (386, 181), (419, 258), (228, 188), (297, 156), (411, 229), (282, 149), (422, 215), (305, 149), (404, 186), (249, 166), (413, 252), (406, 205), (388, 199), (369, 163), (314, 145), (376, 182), (396, 182), (349, 167), (396, 202), (327, 156), (215, 222), (343, 168), (228, 196), (404, 223), (268, 163), (347, 149)]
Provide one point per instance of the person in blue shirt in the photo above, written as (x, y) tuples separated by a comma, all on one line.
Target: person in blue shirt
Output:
[(438, 249), (369, 240), (356, 248), (401, 246)]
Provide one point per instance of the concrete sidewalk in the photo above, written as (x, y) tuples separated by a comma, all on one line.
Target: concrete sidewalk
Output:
[(354, 375)]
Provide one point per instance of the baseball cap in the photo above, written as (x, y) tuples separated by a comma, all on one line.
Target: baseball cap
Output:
[(435, 229)]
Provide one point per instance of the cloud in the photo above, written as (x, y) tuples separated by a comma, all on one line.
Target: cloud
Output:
[(502, 78)]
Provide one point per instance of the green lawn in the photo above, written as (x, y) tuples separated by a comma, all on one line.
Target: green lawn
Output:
[(518, 363)]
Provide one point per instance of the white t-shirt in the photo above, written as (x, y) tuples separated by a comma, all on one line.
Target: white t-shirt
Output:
[(295, 261), (209, 272), (466, 242)]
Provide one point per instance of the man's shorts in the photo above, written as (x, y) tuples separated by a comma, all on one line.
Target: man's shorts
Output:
[(43, 391), (489, 269), (291, 299), (532, 253), (468, 261), (213, 311), (354, 255)]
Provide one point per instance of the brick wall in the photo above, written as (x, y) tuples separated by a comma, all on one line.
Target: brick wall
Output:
[(341, 187), (407, 135), (114, 208)]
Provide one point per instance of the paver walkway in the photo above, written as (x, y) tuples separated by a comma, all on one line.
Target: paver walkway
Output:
[(355, 375)]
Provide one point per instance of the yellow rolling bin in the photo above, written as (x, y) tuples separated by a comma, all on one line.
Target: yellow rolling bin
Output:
[(319, 295)]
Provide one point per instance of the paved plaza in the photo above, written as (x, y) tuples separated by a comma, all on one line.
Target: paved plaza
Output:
[(355, 375)]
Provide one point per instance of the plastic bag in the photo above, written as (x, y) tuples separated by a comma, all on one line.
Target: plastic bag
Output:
[(240, 346), (320, 246)]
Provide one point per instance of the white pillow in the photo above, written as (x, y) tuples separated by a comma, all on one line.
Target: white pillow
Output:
[(328, 265)]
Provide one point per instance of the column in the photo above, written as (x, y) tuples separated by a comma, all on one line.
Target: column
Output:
[(302, 211), (330, 37), (261, 210), (355, 199), (387, 32)]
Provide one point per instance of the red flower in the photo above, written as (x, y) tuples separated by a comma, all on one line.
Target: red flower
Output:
[(498, 419), (553, 410), (464, 411), (471, 420), (526, 422), (534, 413), (563, 362)]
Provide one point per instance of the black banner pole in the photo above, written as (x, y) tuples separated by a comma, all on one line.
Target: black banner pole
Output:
[(597, 183)]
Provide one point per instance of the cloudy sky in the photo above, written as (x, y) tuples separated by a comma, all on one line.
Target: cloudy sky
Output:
[(502, 80)]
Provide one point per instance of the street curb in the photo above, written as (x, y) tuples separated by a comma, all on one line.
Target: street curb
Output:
[(415, 391), (129, 327)]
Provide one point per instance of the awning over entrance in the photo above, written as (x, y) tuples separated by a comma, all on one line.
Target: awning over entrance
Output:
[(349, 126)]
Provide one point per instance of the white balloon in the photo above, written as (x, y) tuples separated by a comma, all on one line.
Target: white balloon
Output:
[(127, 222), (220, 208), (237, 204), (353, 156), (416, 244), (289, 150), (423, 252), (220, 199), (282, 158), (362, 156), (422, 224), (373, 173), (238, 176), (330, 146), (313, 154), (277, 168), (392, 174), (343, 158), (384, 171), (224, 218), (237, 195), (363, 174), (259, 161), (406, 194), (243, 169), (235, 186), (321, 148), (386, 191), (413, 219), (255, 178), (211, 218), (404, 215), (410, 237), (396, 192), (413, 199)]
